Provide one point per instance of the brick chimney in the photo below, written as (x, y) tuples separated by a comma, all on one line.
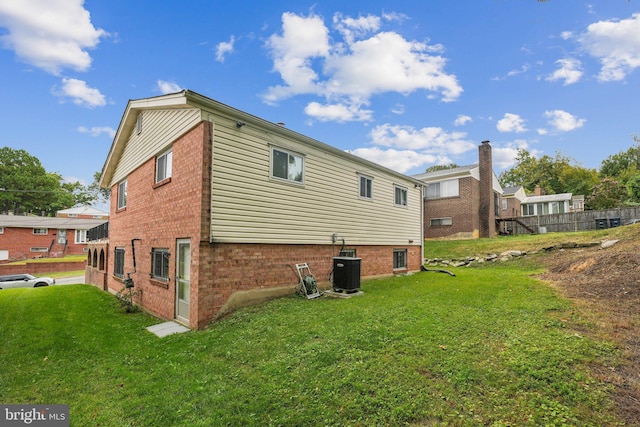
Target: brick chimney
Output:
[(486, 211), (538, 191)]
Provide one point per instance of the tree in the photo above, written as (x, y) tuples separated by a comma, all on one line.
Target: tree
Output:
[(608, 194), (436, 168), (99, 194), (25, 186), (559, 174)]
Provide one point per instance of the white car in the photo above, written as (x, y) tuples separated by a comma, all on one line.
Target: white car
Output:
[(24, 281)]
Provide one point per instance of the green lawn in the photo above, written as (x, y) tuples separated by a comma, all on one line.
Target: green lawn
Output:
[(491, 346)]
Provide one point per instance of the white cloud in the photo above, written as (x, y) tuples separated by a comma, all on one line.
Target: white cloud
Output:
[(616, 43), (400, 161), (366, 62), (566, 35), (49, 34), (80, 93), (563, 121), (337, 112), (569, 71), (511, 123), (462, 120), (223, 48), (165, 87), (431, 139), (96, 131), (398, 109), (505, 157)]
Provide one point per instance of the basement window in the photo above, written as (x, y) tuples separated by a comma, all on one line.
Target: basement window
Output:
[(41, 231), (435, 222), (160, 267), (399, 259), (118, 262)]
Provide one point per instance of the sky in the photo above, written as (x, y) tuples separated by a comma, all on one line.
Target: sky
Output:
[(406, 84)]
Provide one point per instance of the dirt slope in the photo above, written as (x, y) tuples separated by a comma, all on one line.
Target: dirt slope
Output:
[(606, 282)]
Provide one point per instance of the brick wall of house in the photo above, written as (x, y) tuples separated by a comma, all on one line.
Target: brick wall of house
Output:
[(40, 268), (228, 268), (20, 241), (463, 211), (97, 262), (158, 215), (513, 208)]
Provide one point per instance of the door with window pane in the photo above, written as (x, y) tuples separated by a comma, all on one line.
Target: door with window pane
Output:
[(183, 280)]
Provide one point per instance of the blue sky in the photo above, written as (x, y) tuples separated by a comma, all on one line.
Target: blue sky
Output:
[(407, 84)]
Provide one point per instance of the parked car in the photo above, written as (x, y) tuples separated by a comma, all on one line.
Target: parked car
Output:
[(24, 281)]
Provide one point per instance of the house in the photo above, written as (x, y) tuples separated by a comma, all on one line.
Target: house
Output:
[(512, 198), (85, 212), (212, 207), (463, 201), (545, 204), (26, 237)]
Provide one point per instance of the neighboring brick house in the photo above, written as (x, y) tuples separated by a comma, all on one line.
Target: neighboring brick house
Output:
[(216, 207), (512, 198), (84, 212), (464, 201), (27, 237)]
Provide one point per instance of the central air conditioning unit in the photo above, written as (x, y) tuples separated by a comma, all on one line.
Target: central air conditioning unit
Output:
[(346, 274)]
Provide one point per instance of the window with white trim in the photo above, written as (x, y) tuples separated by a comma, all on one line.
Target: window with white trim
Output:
[(448, 188), (1, 230), (81, 236), (504, 204), (160, 264), (287, 165), (122, 194), (435, 222), (41, 231), (348, 253), (39, 249), (163, 165), (400, 195), (366, 187), (139, 123), (399, 259)]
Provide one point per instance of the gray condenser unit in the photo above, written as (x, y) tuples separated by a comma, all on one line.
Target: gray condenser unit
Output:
[(346, 274)]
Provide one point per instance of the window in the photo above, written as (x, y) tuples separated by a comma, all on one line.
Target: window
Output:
[(366, 187), (72, 215), (504, 204), (1, 230), (41, 231), (118, 262), (160, 267), (62, 237), (435, 222), (38, 249), (163, 166), (449, 188), (348, 253), (139, 123), (399, 259), (528, 209), (122, 195), (286, 165), (400, 196), (81, 236)]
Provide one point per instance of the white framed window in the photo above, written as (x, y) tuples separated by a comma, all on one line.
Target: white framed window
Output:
[(163, 165), (366, 187), (435, 222), (399, 259), (1, 230), (287, 165), (62, 236), (122, 194), (73, 215), (160, 264), (81, 236), (139, 123), (448, 188), (348, 253), (38, 249), (41, 231), (400, 195), (504, 204)]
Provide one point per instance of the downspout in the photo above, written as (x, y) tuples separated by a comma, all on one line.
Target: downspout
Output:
[(128, 282)]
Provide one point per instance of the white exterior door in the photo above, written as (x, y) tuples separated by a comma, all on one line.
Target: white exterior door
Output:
[(183, 280)]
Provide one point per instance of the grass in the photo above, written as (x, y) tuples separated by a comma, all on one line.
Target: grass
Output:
[(490, 346), (67, 258)]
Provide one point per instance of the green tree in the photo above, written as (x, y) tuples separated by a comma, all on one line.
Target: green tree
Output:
[(436, 168), (25, 186), (607, 194), (559, 174)]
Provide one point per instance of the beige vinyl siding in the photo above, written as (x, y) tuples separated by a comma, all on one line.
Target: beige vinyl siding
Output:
[(248, 206), (159, 129)]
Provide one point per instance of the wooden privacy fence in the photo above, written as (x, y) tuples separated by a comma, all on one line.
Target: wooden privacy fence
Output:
[(574, 221)]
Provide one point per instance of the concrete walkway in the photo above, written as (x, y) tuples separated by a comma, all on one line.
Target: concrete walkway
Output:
[(167, 328)]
